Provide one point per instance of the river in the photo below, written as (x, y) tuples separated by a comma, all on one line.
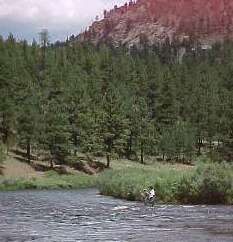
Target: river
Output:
[(67, 216)]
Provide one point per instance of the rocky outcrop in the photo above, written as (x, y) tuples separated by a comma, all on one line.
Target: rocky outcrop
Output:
[(159, 20)]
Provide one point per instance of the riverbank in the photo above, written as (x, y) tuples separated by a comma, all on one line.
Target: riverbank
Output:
[(18, 175), (50, 181), (204, 184)]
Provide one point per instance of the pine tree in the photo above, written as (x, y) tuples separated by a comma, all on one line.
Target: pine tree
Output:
[(113, 126), (55, 131)]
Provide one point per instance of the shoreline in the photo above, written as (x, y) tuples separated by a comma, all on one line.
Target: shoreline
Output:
[(27, 185), (206, 183), (53, 182), (83, 188)]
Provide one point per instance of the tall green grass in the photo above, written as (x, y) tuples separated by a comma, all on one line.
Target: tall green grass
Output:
[(50, 181), (129, 183), (208, 183)]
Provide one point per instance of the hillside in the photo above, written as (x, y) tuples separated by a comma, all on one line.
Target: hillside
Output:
[(60, 102), (157, 20), (13, 168)]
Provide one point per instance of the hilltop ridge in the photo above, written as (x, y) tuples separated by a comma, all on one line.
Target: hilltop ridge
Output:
[(158, 20)]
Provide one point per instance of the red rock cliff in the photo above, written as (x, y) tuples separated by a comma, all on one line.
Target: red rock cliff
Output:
[(157, 20)]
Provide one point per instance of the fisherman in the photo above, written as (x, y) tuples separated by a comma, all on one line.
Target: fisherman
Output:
[(151, 193)]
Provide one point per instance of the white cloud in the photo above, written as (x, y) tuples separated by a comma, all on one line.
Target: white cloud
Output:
[(52, 14)]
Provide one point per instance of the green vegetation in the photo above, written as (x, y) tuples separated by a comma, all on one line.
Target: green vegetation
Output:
[(58, 100), (64, 98), (51, 181), (2, 153), (2, 156), (207, 183)]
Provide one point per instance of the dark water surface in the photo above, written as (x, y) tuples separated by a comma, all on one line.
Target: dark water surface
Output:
[(86, 216)]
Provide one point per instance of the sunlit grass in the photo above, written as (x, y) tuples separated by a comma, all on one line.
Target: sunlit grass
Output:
[(206, 183), (49, 182)]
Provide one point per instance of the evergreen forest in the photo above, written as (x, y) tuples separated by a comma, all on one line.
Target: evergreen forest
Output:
[(64, 98)]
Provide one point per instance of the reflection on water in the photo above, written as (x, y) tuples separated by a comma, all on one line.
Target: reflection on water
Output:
[(86, 216)]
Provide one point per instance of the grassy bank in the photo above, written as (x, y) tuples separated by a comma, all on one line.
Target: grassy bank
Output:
[(206, 183), (17, 175), (51, 180)]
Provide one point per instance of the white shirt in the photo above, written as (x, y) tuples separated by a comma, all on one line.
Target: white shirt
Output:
[(151, 193)]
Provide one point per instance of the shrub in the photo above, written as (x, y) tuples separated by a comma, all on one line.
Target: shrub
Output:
[(217, 184), (129, 183), (188, 189), (208, 183)]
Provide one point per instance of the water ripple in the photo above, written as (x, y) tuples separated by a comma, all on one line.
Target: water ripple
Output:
[(68, 216)]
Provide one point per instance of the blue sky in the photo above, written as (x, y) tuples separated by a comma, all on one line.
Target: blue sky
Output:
[(25, 18)]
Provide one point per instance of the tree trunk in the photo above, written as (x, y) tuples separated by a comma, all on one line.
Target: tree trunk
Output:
[(75, 144), (142, 152), (7, 148), (130, 143), (199, 146), (109, 152), (129, 148), (29, 151), (108, 160), (51, 163)]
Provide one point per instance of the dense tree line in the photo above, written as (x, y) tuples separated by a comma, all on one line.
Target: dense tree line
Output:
[(65, 98)]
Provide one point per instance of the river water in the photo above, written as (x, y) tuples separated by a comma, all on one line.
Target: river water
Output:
[(86, 216)]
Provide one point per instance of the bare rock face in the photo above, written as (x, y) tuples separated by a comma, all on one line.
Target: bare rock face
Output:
[(158, 20)]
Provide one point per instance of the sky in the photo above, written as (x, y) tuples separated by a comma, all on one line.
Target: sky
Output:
[(26, 18)]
